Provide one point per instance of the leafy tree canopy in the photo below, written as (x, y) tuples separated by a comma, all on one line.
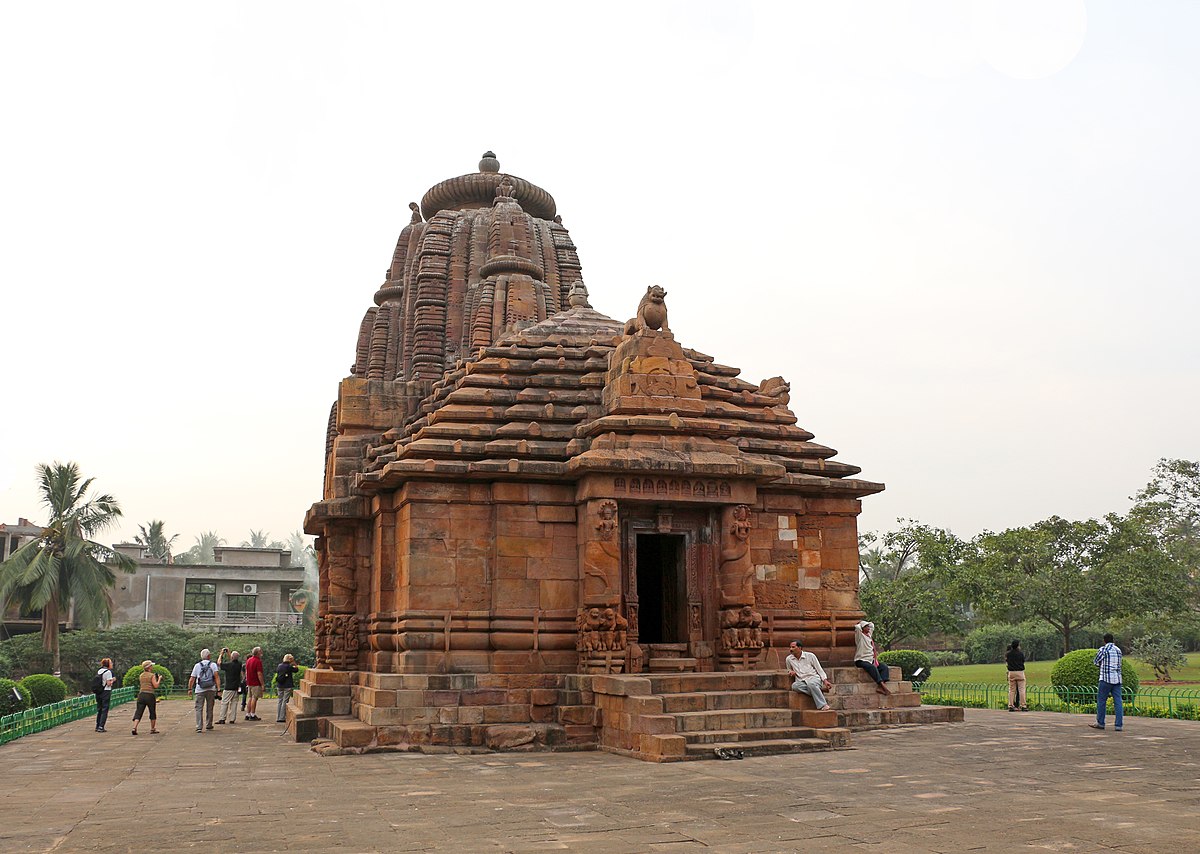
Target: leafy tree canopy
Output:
[(1069, 574), (901, 589)]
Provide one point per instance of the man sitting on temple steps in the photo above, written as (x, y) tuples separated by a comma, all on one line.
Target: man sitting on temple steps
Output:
[(810, 678)]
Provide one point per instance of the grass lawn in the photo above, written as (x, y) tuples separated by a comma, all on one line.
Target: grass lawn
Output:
[(1038, 672)]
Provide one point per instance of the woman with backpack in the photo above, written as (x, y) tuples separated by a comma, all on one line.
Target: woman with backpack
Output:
[(102, 685)]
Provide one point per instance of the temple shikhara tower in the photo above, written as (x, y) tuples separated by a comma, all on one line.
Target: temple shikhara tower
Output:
[(545, 527)]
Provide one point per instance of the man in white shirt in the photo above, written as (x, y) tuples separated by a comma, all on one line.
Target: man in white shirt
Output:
[(810, 678), (206, 680)]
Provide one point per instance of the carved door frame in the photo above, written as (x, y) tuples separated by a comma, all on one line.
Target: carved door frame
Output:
[(696, 525)]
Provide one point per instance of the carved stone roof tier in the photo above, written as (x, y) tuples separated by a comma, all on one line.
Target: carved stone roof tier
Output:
[(573, 394), (484, 254)]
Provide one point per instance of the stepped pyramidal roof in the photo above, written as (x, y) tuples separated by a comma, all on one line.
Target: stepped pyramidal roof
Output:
[(498, 365)]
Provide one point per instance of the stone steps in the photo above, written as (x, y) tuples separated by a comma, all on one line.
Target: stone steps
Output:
[(732, 719), (750, 680), (711, 701), (347, 731), (766, 747), (721, 736), (862, 719)]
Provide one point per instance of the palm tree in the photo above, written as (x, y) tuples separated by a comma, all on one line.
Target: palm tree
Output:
[(155, 539), (63, 567), (204, 551), (258, 540)]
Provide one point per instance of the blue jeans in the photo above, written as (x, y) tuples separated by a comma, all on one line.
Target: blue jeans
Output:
[(879, 674), (1106, 690)]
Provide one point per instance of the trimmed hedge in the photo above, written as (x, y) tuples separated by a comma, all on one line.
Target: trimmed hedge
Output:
[(908, 660), (11, 703), (1078, 670), (130, 679), (45, 689)]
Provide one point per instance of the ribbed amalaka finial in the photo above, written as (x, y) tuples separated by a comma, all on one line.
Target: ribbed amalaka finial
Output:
[(489, 163)]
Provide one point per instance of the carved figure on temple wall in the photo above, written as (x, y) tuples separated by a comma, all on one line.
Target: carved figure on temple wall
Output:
[(505, 190), (341, 580), (589, 623), (729, 635), (621, 631), (741, 628), (416, 213), (321, 640), (610, 628), (601, 556), (652, 312), (606, 528), (601, 630), (737, 571)]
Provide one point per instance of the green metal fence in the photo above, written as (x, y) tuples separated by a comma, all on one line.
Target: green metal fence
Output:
[(44, 717), (1154, 701)]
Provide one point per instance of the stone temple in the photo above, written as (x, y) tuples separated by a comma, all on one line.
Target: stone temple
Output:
[(546, 528)]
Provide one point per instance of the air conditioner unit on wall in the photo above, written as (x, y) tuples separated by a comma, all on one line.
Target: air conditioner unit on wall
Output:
[(249, 588)]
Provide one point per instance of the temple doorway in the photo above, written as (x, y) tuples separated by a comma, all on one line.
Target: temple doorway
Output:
[(662, 589)]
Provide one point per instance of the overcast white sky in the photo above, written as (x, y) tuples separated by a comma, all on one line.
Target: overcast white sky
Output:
[(965, 232)]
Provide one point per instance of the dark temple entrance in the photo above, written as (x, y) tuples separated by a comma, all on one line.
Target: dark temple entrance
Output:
[(662, 589)]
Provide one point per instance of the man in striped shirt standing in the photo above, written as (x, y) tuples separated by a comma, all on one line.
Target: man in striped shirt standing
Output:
[(1108, 659)]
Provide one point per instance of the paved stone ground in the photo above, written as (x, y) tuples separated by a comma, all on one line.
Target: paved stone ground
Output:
[(999, 782)]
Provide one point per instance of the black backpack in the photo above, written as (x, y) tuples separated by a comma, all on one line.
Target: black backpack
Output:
[(97, 683)]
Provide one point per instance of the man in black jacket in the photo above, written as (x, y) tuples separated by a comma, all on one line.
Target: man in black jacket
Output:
[(231, 678), (1015, 659)]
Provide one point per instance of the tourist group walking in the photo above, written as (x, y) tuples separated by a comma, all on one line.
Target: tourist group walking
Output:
[(210, 682)]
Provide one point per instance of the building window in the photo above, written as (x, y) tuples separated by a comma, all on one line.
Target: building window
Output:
[(239, 604), (200, 596)]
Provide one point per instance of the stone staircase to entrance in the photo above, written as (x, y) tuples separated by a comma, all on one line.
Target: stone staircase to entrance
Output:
[(669, 718), (676, 717)]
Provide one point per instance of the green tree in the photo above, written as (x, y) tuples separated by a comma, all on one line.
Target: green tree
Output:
[(1169, 508), (153, 536), (900, 587), (1069, 574), (63, 568), (1160, 652), (203, 552)]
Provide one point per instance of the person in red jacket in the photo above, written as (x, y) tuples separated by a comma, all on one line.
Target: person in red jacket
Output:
[(254, 683)]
